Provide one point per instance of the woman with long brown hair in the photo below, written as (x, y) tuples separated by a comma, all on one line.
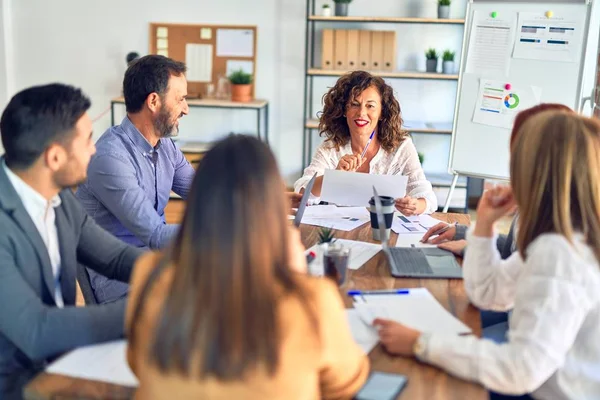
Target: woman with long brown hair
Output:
[(227, 311), (362, 116), (553, 281)]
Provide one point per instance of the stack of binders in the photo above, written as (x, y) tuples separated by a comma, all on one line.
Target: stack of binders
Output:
[(349, 50)]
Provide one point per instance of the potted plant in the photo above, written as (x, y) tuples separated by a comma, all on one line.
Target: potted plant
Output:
[(448, 62), (326, 12), (341, 7), (241, 86), (432, 60), (443, 9)]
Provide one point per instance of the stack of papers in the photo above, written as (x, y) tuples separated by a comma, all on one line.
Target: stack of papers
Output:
[(105, 362), (413, 225), (340, 218), (415, 308), (356, 188), (360, 253)]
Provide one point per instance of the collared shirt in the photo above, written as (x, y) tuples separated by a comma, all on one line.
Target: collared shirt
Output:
[(41, 212), (553, 350), (403, 161), (129, 183)]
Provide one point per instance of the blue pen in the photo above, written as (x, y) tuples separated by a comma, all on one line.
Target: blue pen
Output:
[(364, 292), (368, 143)]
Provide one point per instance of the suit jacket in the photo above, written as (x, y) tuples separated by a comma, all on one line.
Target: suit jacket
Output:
[(32, 329)]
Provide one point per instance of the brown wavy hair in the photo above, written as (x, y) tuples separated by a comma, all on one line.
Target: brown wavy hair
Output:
[(333, 125)]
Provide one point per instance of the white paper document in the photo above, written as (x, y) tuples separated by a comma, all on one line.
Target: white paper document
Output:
[(356, 189), (413, 224), (360, 253), (498, 106), (490, 43), (417, 309), (557, 38), (364, 335), (198, 59), (235, 43), (412, 240), (340, 218), (105, 362)]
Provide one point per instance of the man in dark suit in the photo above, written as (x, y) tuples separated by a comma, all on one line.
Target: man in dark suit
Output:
[(47, 137)]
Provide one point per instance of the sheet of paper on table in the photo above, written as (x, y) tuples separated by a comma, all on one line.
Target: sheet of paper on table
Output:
[(356, 189), (106, 362), (413, 224), (417, 309), (340, 218), (360, 253), (364, 335)]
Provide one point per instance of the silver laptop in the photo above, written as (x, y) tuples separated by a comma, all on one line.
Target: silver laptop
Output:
[(416, 262), (304, 200)]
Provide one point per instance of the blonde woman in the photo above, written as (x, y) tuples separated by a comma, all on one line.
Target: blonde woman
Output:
[(552, 283)]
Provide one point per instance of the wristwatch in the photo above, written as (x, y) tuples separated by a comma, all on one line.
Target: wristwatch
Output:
[(421, 345)]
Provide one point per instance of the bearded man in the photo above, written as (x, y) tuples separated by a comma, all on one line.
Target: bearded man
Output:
[(137, 164)]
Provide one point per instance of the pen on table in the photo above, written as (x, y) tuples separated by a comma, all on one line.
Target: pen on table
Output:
[(363, 292), (444, 229), (367, 145), (310, 257)]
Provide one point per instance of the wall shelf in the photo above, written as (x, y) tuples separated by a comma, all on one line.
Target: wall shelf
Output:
[(389, 20), (387, 74)]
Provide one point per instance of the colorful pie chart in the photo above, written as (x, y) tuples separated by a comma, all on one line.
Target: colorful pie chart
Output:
[(511, 101)]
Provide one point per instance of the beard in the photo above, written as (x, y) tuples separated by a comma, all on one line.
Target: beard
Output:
[(70, 175), (163, 124)]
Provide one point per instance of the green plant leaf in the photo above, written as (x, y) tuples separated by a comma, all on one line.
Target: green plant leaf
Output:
[(444, 2), (240, 77), (448, 55), (431, 54)]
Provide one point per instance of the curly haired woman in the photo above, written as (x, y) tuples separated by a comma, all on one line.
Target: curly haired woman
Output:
[(358, 105)]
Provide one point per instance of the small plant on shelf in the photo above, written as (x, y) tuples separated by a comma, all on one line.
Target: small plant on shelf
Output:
[(341, 7), (241, 86), (432, 60), (326, 10), (326, 235), (444, 9), (448, 62), (431, 54)]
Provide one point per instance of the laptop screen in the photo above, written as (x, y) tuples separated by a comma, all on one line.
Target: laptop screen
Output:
[(304, 200)]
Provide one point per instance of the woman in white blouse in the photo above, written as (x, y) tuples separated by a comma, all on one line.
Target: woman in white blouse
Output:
[(358, 105), (552, 282)]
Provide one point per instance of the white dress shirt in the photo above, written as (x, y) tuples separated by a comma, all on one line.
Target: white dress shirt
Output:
[(43, 216), (403, 161), (553, 349)]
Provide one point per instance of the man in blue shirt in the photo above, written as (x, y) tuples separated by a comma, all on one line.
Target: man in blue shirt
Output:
[(137, 164)]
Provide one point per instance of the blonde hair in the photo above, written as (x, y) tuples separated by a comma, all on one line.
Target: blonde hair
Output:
[(555, 174)]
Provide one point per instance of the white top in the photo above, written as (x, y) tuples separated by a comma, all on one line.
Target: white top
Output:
[(43, 216), (553, 348), (404, 161)]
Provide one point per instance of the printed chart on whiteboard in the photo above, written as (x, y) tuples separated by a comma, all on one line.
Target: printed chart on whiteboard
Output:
[(498, 102), (549, 39), (489, 45)]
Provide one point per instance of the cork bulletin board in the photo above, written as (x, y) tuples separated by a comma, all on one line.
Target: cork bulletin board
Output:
[(209, 51)]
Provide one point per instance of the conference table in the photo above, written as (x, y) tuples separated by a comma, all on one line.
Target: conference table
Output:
[(424, 381)]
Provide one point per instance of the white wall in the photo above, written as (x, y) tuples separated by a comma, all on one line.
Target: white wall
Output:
[(6, 56), (84, 43)]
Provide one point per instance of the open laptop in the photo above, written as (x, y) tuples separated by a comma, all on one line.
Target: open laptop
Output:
[(416, 262), (305, 197)]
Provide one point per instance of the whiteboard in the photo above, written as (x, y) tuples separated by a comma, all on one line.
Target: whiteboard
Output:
[(479, 150)]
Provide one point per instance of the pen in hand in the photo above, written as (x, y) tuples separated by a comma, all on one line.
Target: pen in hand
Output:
[(367, 145), (442, 230)]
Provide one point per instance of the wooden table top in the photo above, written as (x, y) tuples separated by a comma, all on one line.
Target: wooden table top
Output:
[(424, 381)]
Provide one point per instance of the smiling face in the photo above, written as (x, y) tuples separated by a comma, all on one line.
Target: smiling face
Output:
[(173, 106), (363, 112)]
